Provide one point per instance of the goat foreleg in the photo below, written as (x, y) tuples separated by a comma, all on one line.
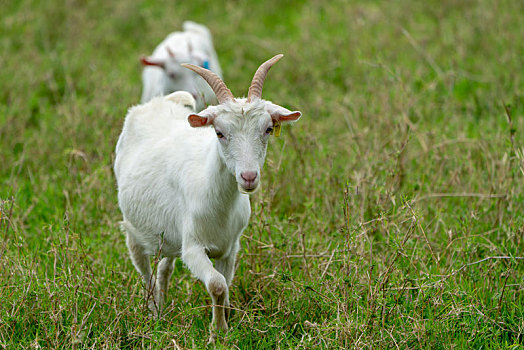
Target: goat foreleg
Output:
[(196, 259)]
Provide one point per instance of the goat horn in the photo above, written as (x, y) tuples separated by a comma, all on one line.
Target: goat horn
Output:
[(255, 90), (219, 87)]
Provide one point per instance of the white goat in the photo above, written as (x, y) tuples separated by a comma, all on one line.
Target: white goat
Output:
[(163, 74), (182, 186)]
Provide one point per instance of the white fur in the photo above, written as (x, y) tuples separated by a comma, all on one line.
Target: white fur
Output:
[(193, 45), (181, 190)]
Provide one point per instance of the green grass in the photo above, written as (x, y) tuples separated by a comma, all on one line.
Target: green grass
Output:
[(377, 208)]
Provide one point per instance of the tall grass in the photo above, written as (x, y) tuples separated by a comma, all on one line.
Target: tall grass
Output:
[(390, 215)]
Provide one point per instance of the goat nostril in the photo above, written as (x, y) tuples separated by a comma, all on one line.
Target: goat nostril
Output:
[(249, 175)]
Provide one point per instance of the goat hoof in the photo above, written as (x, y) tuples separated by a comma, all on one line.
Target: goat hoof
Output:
[(215, 328), (155, 309), (223, 327), (212, 339)]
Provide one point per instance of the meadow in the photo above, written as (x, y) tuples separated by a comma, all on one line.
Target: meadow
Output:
[(390, 216)]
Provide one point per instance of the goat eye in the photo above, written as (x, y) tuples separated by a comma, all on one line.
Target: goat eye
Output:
[(269, 130), (220, 135)]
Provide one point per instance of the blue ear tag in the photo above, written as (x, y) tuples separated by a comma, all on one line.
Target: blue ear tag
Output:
[(205, 65)]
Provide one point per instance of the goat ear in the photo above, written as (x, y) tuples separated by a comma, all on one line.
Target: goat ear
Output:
[(170, 52), (149, 61), (281, 114), (204, 118), (197, 121)]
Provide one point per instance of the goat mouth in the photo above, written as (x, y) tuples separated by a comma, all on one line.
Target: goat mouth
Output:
[(248, 190)]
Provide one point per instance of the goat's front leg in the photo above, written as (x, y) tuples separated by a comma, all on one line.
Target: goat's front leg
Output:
[(196, 259), (226, 266)]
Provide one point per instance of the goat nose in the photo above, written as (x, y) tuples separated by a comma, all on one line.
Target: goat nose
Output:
[(249, 176)]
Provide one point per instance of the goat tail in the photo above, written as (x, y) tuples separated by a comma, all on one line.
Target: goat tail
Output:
[(183, 98), (126, 227)]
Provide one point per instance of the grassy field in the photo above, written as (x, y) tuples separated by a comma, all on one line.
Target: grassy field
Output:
[(391, 215)]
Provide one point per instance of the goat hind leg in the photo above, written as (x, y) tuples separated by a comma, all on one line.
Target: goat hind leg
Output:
[(164, 272), (143, 265)]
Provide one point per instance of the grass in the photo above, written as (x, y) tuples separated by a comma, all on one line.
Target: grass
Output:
[(391, 215)]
